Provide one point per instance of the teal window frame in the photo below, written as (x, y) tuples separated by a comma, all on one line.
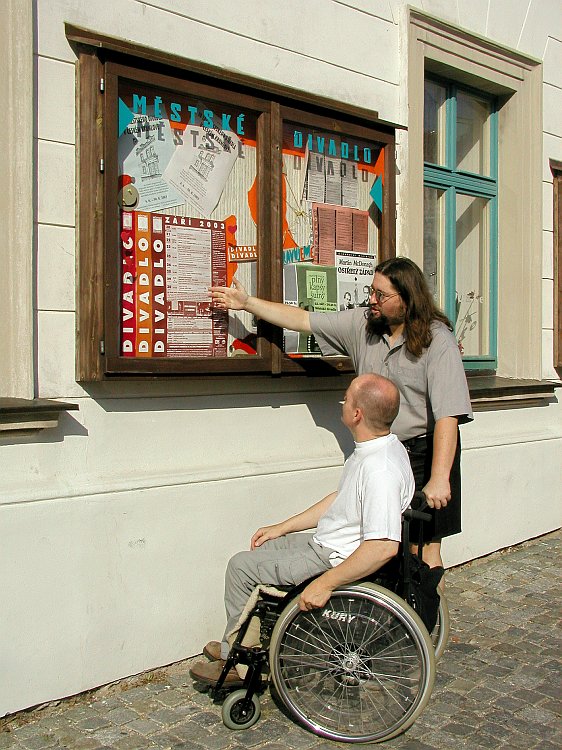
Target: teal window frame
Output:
[(447, 178)]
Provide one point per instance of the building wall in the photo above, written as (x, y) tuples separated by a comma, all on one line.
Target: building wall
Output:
[(118, 524)]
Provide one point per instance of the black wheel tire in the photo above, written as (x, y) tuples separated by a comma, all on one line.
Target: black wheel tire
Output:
[(440, 634)]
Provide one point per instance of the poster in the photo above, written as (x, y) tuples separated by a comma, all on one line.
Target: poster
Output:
[(354, 274), (338, 228), (201, 165), (329, 177), (145, 148), (168, 264), (312, 288)]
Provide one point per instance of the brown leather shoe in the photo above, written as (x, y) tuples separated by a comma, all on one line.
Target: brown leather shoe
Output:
[(209, 672), (213, 651)]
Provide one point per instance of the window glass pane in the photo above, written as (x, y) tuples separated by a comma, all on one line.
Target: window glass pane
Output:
[(434, 241), (332, 197), (188, 213), (473, 133), (434, 123), (472, 275)]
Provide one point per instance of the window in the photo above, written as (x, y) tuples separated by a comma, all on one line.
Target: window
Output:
[(187, 180), (460, 214)]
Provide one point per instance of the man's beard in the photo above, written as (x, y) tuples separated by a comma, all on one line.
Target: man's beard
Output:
[(379, 325)]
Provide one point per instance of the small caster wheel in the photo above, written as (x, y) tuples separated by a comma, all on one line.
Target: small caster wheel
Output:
[(235, 716)]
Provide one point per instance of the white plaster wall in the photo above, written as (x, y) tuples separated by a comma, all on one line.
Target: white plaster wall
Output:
[(113, 584), (106, 519), (512, 472)]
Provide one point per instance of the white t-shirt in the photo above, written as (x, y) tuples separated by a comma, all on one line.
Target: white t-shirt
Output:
[(376, 487)]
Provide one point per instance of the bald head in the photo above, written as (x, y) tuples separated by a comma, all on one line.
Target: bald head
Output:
[(378, 399)]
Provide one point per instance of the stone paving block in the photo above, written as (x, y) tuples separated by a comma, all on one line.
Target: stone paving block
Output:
[(144, 726), (133, 694), (554, 706), (221, 741), (121, 715), (171, 697), (164, 740), (519, 741), (109, 735), (131, 742), (297, 739), (190, 731), (85, 743), (92, 723), (166, 716), (7, 741), (39, 741), (535, 714)]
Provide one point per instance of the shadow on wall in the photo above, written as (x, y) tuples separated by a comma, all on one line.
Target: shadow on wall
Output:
[(68, 425), (323, 404), (324, 408)]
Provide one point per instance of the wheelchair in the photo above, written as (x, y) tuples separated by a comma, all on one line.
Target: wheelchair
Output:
[(360, 669)]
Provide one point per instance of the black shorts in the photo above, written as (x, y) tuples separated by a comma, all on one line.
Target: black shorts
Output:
[(445, 521)]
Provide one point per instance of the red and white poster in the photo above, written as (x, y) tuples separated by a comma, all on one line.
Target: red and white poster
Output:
[(168, 264)]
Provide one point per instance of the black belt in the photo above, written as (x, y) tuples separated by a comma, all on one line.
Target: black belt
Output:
[(412, 442)]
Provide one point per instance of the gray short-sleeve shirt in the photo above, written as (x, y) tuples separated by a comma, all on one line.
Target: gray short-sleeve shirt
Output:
[(431, 386)]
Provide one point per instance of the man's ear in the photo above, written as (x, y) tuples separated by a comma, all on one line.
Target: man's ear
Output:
[(357, 415)]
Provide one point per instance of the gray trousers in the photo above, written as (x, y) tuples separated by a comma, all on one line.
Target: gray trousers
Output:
[(288, 560)]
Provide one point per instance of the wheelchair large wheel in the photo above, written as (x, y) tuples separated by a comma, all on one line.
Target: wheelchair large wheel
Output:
[(440, 633), (360, 669)]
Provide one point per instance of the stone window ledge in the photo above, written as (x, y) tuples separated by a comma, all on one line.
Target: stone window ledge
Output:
[(30, 415), (492, 392)]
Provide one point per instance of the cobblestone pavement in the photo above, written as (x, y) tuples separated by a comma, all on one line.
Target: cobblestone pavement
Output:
[(498, 683)]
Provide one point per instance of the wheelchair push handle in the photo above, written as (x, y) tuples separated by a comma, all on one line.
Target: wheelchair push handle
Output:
[(420, 502)]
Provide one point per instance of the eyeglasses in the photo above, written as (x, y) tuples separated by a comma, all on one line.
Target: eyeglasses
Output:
[(381, 297)]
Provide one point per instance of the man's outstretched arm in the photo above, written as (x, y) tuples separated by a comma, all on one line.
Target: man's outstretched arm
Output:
[(237, 298)]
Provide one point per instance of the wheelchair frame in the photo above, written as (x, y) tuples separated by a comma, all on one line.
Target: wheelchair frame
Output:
[(360, 669)]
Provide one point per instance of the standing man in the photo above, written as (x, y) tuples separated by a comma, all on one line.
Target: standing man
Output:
[(404, 336), (358, 528)]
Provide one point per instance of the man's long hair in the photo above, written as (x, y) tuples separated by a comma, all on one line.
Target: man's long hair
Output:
[(421, 310)]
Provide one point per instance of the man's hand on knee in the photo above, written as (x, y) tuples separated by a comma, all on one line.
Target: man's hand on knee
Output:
[(266, 533)]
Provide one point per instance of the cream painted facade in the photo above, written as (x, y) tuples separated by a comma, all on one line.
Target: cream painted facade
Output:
[(117, 525)]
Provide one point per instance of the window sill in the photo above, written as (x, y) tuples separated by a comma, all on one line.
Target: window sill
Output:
[(24, 415), (491, 392)]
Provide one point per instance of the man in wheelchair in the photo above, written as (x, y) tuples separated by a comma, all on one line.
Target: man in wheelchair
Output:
[(358, 527)]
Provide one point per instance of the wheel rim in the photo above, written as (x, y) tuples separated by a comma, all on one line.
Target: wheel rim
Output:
[(358, 670), (241, 716)]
